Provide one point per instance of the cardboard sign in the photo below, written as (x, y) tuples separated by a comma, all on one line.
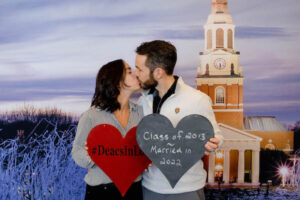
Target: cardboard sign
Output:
[(174, 150), (120, 158)]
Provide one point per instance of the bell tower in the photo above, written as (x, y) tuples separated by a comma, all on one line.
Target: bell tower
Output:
[(219, 74)]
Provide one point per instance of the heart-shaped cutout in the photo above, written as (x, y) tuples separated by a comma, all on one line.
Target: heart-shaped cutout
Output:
[(120, 158), (174, 150)]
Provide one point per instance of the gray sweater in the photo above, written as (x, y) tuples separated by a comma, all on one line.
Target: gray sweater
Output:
[(88, 120)]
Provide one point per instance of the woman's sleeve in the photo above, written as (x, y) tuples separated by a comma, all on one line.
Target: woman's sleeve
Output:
[(78, 150)]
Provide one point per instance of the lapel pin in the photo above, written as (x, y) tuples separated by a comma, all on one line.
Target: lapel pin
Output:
[(177, 110)]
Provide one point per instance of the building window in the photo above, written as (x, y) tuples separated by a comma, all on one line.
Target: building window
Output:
[(232, 69), (220, 95), (209, 39), (229, 39), (207, 70), (220, 38)]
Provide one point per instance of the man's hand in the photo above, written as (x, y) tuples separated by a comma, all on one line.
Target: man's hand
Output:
[(211, 145)]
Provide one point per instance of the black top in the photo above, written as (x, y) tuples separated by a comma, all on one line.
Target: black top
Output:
[(157, 101)]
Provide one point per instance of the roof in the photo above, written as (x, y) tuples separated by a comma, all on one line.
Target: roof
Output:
[(231, 133), (263, 123)]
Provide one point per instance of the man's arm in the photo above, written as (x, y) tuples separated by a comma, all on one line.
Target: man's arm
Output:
[(217, 141)]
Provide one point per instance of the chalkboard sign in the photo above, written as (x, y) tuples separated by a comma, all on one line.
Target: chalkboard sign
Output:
[(174, 150)]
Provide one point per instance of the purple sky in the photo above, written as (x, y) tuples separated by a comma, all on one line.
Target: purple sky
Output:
[(50, 51)]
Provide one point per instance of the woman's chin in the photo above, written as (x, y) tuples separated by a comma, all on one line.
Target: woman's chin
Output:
[(138, 87), (134, 90)]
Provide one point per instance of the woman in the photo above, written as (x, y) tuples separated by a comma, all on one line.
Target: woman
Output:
[(115, 84)]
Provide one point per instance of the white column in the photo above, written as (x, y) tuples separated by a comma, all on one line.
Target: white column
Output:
[(255, 166), (233, 35), (205, 37), (241, 166), (214, 38), (226, 170), (225, 37), (211, 168)]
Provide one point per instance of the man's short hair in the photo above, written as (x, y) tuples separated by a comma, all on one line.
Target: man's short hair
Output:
[(159, 54)]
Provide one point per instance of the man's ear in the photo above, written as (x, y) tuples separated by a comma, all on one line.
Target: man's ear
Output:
[(158, 73)]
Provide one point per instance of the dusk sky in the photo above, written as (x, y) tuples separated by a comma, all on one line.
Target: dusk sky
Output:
[(51, 51)]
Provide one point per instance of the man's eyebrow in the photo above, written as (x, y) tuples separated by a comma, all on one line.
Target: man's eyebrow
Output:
[(137, 67)]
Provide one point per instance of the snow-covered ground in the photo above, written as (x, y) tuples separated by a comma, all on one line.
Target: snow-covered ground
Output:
[(40, 169)]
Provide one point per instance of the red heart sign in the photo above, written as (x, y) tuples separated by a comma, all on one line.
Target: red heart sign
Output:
[(120, 158)]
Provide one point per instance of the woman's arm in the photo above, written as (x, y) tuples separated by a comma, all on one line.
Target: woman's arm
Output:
[(78, 150)]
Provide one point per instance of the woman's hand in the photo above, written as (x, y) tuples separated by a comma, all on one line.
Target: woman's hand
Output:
[(86, 151), (148, 166)]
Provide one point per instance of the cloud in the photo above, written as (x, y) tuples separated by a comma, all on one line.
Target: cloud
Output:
[(51, 50), (241, 32), (248, 32), (185, 34), (278, 105), (33, 90), (33, 19), (71, 104)]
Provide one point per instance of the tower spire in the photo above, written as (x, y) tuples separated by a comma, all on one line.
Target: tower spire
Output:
[(219, 6), (219, 13)]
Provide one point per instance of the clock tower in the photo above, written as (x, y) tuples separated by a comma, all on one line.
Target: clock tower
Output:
[(219, 74)]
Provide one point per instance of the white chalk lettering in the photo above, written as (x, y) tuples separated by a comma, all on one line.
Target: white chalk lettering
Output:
[(152, 136), (188, 151), (175, 162), (190, 136), (165, 150)]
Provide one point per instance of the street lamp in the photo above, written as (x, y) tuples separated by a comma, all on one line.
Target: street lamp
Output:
[(283, 171), (219, 154)]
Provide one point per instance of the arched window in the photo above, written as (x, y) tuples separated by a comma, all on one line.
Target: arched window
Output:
[(220, 95), (232, 69), (207, 70), (209, 39), (229, 39), (220, 38)]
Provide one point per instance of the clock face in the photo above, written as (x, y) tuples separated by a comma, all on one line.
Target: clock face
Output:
[(220, 63)]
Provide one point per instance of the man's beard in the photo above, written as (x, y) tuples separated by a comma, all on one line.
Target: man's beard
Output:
[(150, 83)]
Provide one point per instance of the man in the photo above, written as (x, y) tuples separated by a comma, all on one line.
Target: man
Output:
[(168, 95)]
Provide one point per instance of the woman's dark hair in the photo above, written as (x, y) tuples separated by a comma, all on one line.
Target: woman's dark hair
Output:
[(108, 86)]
